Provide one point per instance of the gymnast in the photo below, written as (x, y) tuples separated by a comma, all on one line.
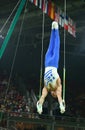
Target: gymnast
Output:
[(52, 81)]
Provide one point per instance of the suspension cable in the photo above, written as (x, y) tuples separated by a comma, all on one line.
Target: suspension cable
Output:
[(15, 53), (41, 68), (9, 16), (64, 67)]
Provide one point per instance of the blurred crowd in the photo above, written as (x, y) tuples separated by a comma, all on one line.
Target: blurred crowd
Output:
[(11, 100)]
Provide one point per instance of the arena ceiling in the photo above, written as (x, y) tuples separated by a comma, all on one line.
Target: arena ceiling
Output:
[(25, 60)]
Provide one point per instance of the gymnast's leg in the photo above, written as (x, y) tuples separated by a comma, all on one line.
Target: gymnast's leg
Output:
[(53, 52)]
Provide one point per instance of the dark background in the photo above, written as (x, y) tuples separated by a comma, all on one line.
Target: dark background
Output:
[(26, 61)]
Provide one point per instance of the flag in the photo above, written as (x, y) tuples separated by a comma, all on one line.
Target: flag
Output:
[(36, 2), (70, 25), (49, 8), (57, 15), (40, 4), (43, 5), (66, 23), (62, 19), (52, 13), (74, 30), (46, 5)]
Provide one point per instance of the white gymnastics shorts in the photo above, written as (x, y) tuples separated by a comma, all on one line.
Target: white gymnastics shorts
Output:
[(50, 76)]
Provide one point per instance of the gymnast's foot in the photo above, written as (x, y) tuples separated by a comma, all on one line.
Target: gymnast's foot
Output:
[(54, 25), (62, 107), (39, 107)]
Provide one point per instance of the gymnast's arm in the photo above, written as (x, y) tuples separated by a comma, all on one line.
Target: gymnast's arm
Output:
[(44, 94)]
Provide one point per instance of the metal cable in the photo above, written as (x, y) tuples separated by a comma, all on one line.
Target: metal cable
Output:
[(41, 68), (15, 53), (9, 16), (64, 67)]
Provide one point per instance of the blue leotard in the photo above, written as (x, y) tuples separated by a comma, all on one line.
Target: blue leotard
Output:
[(52, 54), (52, 59)]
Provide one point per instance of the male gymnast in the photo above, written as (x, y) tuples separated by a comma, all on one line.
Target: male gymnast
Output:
[(52, 81)]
